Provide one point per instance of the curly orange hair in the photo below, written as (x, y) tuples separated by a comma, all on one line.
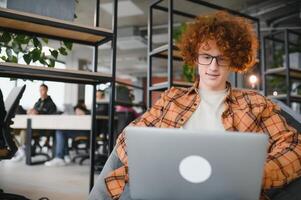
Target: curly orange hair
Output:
[(235, 37)]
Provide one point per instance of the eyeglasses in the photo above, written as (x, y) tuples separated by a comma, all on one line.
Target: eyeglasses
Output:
[(206, 59)]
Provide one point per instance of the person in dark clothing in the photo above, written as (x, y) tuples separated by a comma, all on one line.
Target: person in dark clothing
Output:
[(44, 105), (2, 116)]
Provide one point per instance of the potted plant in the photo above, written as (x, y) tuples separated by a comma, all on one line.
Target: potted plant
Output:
[(188, 71)]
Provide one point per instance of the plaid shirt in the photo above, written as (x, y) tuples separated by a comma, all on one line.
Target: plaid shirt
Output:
[(245, 111)]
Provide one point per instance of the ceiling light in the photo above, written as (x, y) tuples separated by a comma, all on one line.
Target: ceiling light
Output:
[(253, 80)]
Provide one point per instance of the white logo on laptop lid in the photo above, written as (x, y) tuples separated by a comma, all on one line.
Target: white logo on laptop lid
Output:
[(195, 169)]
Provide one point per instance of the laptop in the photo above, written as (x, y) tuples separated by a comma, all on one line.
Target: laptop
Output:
[(184, 164)]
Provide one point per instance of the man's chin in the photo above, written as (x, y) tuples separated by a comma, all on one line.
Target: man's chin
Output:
[(212, 85)]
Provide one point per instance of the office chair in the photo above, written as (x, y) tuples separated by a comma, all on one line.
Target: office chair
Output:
[(292, 118), (101, 141), (292, 190), (101, 126), (8, 151), (11, 104)]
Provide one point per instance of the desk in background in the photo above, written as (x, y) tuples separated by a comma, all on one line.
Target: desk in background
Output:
[(50, 122)]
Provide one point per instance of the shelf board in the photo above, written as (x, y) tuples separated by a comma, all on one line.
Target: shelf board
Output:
[(12, 20), (164, 85), (162, 52), (294, 98), (13, 70), (281, 71)]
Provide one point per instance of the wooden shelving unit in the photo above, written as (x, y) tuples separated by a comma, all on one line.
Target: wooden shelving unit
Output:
[(14, 70), (162, 52), (41, 26), (294, 73), (289, 73), (16, 21)]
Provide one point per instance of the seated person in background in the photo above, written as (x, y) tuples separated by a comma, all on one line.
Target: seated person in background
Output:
[(102, 104), (217, 44), (128, 108), (61, 147), (101, 97), (102, 110), (44, 106)]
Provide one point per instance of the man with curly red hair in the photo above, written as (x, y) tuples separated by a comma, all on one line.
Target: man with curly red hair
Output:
[(216, 44)]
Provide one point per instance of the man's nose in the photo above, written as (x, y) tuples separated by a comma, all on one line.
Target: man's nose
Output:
[(213, 66)]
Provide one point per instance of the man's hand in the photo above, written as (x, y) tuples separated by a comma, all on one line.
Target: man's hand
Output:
[(32, 112)]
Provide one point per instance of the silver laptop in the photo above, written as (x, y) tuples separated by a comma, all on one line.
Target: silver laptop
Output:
[(183, 164)]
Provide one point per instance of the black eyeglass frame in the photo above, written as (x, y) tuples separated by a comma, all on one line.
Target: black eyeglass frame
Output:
[(217, 58)]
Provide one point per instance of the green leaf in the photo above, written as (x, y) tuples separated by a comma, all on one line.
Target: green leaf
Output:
[(16, 47), (54, 53), (5, 37), (68, 44), (21, 39), (4, 58), (9, 53), (36, 54), (27, 58), (14, 59), (27, 39), (51, 63), (188, 73), (178, 32), (36, 42), (63, 51), (45, 40), (43, 60)]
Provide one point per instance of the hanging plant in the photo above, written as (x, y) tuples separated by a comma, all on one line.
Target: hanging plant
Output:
[(30, 49), (188, 71), (178, 31)]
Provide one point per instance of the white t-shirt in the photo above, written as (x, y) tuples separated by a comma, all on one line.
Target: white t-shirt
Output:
[(208, 114)]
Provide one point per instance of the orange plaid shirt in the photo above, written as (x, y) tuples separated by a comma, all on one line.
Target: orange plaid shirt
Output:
[(245, 111)]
